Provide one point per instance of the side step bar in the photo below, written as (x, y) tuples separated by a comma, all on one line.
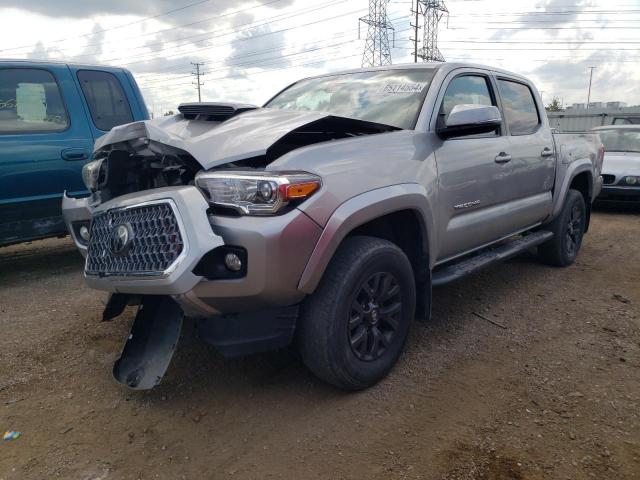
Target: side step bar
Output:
[(467, 265)]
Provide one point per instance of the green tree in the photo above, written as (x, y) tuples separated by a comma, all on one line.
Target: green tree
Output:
[(555, 105)]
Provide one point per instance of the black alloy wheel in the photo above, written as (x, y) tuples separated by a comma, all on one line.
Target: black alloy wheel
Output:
[(374, 316)]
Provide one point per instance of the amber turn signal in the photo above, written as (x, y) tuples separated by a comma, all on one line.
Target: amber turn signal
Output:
[(298, 190)]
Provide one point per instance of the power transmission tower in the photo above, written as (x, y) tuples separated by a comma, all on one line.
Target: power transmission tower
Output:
[(198, 73), (432, 12), (376, 48)]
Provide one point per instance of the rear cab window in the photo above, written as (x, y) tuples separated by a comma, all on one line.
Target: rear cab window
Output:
[(519, 107), (105, 98), (30, 102)]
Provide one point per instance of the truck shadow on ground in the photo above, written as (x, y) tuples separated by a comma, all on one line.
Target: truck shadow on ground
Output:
[(42, 258), (200, 368)]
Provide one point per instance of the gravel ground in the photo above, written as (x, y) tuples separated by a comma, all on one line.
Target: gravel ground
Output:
[(549, 389)]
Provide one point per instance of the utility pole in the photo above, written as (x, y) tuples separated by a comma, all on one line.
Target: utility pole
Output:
[(590, 78), (432, 12), (197, 74), (376, 48), (416, 28)]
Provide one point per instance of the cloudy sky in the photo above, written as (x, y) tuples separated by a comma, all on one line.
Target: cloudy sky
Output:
[(251, 49)]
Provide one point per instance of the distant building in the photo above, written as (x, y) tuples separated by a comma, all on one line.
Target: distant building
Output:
[(578, 106), (577, 118), (616, 104)]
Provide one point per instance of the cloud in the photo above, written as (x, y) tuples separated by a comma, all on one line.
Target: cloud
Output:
[(142, 8), (554, 13), (268, 52)]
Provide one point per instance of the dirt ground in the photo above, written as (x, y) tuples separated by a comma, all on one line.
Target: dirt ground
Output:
[(551, 390)]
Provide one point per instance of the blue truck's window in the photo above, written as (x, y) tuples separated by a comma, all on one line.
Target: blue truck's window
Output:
[(519, 107), (30, 102), (106, 99)]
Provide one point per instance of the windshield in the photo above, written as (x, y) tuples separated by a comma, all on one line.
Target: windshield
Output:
[(619, 140), (391, 97)]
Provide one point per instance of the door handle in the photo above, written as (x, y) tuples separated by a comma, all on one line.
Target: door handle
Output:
[(546, 152), (74, 154), (503, 157)]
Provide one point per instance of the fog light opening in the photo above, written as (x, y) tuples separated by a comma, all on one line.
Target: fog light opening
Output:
[(84, 233), (233, 262)]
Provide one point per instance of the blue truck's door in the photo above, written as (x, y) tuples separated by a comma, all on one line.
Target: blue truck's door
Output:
[(45, 139)]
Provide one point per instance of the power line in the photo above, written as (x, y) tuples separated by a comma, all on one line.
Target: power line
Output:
[(168, 12), (547, 12), (276, 48), (227, 61), (231, 30), (234, 41)]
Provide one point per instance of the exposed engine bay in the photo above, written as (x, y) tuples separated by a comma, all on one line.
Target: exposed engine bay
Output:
[(143, 163)]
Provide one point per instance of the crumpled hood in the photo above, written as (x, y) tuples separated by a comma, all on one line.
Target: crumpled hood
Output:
[(621, 163), (211, 143)]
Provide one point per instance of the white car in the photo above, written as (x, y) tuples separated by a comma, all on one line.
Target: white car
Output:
[(621, 167)]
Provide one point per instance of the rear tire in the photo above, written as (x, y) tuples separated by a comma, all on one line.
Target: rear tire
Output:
[(568, 231), (352, 330)]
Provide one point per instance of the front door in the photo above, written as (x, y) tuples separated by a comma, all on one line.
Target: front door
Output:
[(44, 142), (474, 173)]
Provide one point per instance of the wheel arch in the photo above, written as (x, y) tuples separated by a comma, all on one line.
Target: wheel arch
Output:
[(399, 213), (578, 176)]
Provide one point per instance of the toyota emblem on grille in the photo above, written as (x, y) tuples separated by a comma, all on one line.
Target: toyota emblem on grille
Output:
[(121, 238)]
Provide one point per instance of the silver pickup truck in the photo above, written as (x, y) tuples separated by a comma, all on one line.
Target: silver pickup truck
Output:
[(325, 217)]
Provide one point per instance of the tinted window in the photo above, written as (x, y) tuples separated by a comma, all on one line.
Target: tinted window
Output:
[(391, 97), (519, 107), (466, 90), (107, 102), (30, 102)]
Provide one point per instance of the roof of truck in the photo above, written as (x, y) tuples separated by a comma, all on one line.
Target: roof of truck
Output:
[(59, 62), (425, 65)]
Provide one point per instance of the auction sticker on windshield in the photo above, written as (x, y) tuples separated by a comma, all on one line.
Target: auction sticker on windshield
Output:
[(402, 88)]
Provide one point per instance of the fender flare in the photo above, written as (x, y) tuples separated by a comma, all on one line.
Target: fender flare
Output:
[(573, 170), (359, 210)]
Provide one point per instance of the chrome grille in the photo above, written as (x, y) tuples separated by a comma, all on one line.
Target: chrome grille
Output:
[(155, 241)]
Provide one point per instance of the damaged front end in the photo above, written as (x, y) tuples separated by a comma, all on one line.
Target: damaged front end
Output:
[(171, 225)]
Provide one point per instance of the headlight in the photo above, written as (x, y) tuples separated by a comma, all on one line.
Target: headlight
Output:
[(256, 193), (632, 180), (91, 174)]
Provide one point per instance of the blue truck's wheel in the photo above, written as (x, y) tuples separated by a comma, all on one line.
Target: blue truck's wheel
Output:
[(353, 328)]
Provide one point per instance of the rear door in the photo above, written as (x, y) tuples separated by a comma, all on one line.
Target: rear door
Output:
[(44, 142), (533, 162)]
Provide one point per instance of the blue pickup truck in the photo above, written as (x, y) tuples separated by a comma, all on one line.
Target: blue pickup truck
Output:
[(50, 116)]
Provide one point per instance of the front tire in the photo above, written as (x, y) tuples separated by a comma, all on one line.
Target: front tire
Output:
[(352, 330), (568, 230)]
